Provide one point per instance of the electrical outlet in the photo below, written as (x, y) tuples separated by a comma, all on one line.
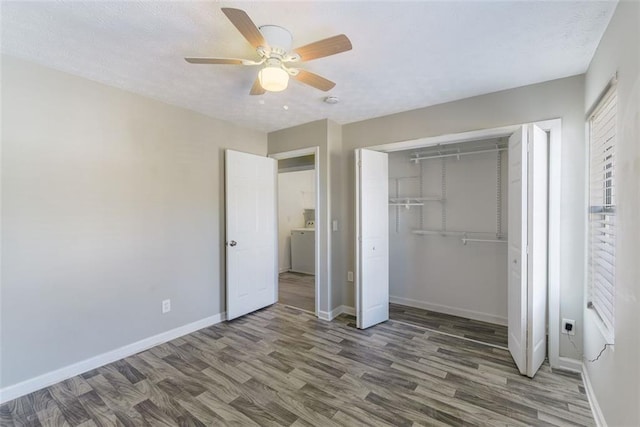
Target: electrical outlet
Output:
[(166, 306), (568, 326), (350, 276)]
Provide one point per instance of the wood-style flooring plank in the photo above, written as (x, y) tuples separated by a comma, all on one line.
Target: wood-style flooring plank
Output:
[(459, 326), (297, 290), (282, 366)]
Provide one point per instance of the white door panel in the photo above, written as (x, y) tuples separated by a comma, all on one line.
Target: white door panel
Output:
[(250, 184), (372, 246), (537, 257), (517, 235), (528, 213)]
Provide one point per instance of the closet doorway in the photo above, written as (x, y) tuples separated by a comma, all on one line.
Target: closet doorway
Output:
[(298, 230), (458, 234), (448, 238)]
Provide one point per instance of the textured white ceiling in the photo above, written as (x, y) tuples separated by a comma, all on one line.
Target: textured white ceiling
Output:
[(405, 55)]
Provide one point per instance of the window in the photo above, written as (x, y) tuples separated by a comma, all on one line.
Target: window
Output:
[(602, 209)]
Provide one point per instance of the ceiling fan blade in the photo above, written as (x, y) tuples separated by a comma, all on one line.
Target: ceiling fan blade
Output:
[(214, 61), (314, 80), (326, 47), (245, 25), (256, 89)]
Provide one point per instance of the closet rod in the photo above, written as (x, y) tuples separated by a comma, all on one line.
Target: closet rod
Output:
[(439, 233), (440, 156), (416, 199), (406, 205), (465, 240)]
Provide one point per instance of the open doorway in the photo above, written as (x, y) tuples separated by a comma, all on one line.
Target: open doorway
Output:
[(448, 238), (297, 232)]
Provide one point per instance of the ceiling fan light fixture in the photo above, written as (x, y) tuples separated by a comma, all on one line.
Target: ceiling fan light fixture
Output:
[(273, 79), (273, 46)]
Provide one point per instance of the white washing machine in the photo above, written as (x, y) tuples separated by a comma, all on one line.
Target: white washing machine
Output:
[(303, 250)]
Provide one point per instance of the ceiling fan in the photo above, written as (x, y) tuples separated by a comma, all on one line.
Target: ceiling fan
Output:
[(273, 45)]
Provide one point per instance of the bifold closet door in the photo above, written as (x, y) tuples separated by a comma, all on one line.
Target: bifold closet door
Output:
[(527, 252), (372, 238), (251, 232), (538, 232), (517, 281)]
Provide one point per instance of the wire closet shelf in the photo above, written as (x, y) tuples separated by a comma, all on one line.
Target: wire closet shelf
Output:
[(419, 201)]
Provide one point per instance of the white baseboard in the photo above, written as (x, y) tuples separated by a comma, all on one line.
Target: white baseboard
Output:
[(469, 314), (348, 310), (324, 315), (45, 380), (568, 364), (598, 416), (330, 315)]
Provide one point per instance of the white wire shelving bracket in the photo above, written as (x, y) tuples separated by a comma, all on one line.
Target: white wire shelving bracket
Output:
[(407, 202)]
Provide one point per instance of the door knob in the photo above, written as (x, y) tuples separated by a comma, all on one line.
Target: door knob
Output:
[(233, 243), (515, 261)]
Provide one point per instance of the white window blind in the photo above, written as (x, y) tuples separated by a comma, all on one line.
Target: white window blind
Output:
[(602, 209)]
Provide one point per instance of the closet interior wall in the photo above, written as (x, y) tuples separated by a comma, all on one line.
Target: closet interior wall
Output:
[(437, 203)]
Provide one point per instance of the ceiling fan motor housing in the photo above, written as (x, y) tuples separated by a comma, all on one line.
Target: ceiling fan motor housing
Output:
[(279, 39)]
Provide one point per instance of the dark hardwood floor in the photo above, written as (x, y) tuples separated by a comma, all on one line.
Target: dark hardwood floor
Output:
[(281, 366), (459, 326), (297, 290)]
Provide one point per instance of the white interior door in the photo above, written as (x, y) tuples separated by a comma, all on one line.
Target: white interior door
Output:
[(251, 232), (517, 235), (537, 256), (372, 235), (528, 248)]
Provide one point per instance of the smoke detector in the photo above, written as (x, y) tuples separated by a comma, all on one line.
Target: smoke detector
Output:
[(332, 100)]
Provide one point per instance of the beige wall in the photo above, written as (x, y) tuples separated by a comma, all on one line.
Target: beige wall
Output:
[(111, 202), (564, 99), (616, 375)]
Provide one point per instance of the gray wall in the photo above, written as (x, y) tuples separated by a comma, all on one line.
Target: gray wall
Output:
[(616, 375), (563, 98), (111, 202), (339, 210)]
